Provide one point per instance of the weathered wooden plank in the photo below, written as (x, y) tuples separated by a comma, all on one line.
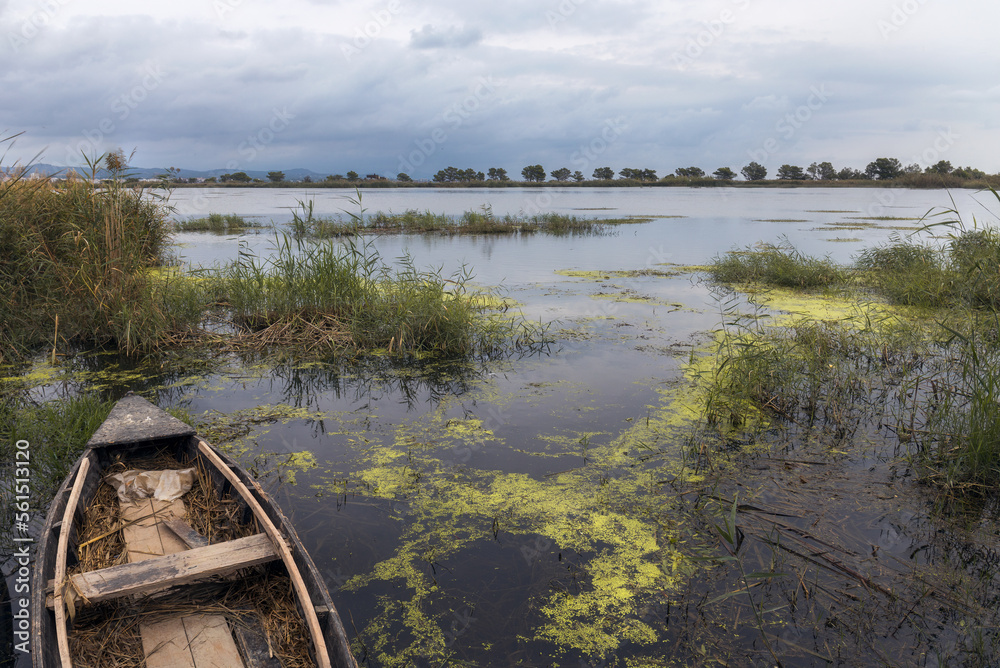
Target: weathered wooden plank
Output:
[(192, 641), (145, 537), (62, 633), (184, 531), (165, 644), (133, 420), (254, 647), (301, 591), (211, 642), (196, 641), (170, 570)]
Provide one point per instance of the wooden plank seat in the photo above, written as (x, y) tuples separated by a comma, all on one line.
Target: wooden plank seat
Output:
[(156, 573)]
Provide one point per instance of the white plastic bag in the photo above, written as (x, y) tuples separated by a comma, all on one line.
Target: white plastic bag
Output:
[(133, 485)]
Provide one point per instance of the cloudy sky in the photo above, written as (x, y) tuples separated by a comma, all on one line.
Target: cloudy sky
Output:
[(401, 85)]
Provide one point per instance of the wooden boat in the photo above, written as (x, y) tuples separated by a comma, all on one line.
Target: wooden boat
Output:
[(180, 561)]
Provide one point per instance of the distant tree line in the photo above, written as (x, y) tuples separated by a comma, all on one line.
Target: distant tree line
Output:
[(880, 169)]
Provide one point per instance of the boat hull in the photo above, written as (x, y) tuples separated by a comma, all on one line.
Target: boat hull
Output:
[(155, 433)]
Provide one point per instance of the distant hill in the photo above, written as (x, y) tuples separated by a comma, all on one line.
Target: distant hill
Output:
[(154, 172)]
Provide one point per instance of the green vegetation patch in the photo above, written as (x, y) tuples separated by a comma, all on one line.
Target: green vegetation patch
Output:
[(933, 367), (483, 222), (595, 275), (604, 511), (56, 432), (882, 218), (848, 226), (333, 296), (775, 264), (218, 223), (963, 271), (74, 261)]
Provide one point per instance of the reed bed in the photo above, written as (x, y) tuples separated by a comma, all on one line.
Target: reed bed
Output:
[(218, 223), (82, 264), (775, 264), (927, 379), (75, 261), (306, 224), (330, 296)]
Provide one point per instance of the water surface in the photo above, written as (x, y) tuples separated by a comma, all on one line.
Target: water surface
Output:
[(527, 511)]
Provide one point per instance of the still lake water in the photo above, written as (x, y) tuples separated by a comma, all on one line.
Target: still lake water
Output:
[(713, 220), (508, 513)]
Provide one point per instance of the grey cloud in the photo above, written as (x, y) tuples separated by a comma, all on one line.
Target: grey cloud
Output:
[(452, 37), (221, 86)]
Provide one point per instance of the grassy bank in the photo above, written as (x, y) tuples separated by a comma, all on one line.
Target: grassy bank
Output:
[(75, 265), (911, 358)]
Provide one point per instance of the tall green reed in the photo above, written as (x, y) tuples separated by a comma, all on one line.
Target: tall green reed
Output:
[(56, 432), (76, 261), (775, 264), (930, 376), (344, 291)]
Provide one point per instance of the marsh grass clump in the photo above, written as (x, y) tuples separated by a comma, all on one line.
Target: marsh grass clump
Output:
[(926, 379), (218, 223), (969, 262), (898, 256), (486, 222), (306, 224), (560, 224), (958, 445), (342, 295), (975, 256), (965, 272), (411, 221), (75, 265), (808, 372), (906, 273), (775, 264), (56, 431)]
